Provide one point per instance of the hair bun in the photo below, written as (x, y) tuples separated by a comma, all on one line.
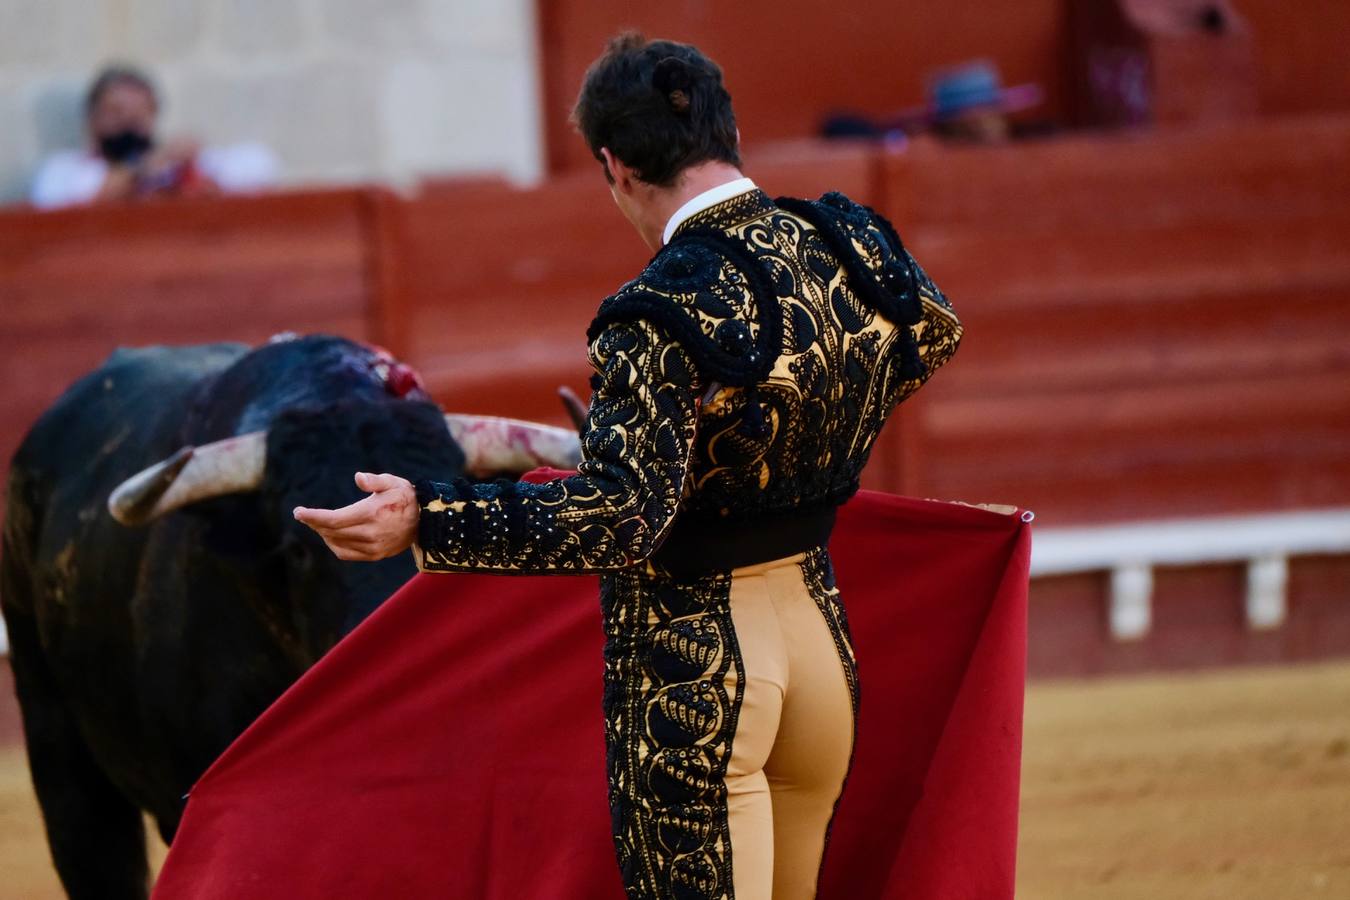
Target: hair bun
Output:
[(674, 78)]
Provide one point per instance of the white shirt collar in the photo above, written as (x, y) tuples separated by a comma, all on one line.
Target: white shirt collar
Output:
[(705, 200)]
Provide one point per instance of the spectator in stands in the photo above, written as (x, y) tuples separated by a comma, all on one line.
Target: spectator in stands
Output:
[(969, 103), (125, 159), (965, 103)]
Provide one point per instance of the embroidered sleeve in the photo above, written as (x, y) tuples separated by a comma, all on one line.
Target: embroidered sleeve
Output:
[(614, 512), (937, 334)]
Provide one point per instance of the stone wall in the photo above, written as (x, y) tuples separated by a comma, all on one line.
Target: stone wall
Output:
[(342, 90)]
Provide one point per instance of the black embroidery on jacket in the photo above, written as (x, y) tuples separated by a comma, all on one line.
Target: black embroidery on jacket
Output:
[(709, 294)]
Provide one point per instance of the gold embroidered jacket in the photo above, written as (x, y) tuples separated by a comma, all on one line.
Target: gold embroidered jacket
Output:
[(745, 373)]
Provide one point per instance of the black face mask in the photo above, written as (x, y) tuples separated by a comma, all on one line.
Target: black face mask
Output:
[(125, 146)]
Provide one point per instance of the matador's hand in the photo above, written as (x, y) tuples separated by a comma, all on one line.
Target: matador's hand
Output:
[(382, 525)]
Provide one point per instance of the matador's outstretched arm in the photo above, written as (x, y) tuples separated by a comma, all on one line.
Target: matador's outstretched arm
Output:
[(613, 513)]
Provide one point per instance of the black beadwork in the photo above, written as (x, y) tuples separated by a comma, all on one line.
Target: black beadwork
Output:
[(715, 285)]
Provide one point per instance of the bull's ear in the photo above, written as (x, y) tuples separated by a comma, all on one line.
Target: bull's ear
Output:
[(231, 466), (576, 410)]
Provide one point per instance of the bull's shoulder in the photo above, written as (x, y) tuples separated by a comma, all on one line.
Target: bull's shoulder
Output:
[(706, 291), (133, 377), (161, 361), (131, 389)]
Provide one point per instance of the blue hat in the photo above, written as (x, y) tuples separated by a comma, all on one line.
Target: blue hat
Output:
[(975, 85)]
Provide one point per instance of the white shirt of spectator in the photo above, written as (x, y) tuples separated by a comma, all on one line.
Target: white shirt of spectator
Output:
[(72, 177)]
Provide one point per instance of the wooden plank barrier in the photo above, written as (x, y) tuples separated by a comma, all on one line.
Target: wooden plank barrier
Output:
[(791, 64), (1272, 169), (493, 286), (1166, 345), (76, 284), (1155, 326), (1154, 321)]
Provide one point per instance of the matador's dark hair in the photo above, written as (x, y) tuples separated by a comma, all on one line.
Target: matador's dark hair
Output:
[(118, 73), (659, 106)]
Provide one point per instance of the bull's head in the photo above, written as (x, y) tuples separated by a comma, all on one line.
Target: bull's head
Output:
[(242, 539), (492, 446), (287, 425)]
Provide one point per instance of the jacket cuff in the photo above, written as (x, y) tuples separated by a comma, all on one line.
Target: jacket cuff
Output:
[(419, 557), (432, 524)]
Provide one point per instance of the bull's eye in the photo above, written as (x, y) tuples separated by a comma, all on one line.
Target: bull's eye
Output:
[(298, 554)]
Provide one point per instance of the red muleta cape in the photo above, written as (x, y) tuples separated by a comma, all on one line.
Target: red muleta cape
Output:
[(452, 746)]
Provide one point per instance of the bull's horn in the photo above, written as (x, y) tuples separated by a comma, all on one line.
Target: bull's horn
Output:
[(231, 466), (576, 410), (496, 446)]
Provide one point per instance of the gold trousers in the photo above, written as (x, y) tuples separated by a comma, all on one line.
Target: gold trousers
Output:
[(730, 701)]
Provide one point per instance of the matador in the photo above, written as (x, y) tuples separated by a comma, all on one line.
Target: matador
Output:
[(740, 382)]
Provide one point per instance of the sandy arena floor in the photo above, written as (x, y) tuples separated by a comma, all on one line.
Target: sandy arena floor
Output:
[(1232, 785)]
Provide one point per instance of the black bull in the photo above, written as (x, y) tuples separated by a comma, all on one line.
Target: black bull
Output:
[(140, 653)]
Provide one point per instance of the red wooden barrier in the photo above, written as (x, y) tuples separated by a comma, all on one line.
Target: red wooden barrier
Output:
[(76, 284), (790, 63), (1259, 169), (492, 287), (1155, 325), (1154, 321)]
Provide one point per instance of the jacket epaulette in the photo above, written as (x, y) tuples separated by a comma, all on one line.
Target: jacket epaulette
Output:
[(706, 291)]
